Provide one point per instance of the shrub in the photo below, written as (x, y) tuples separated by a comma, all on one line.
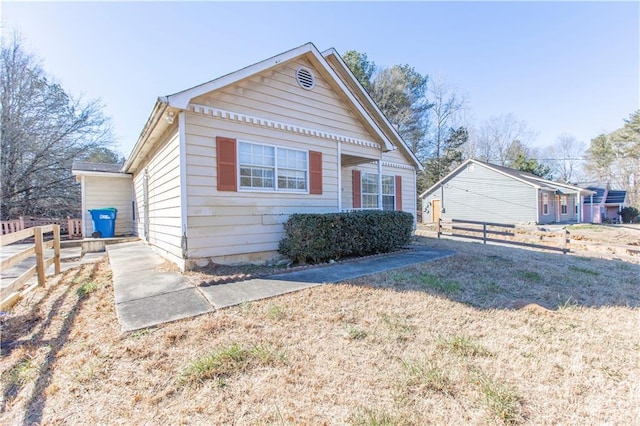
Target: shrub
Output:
[(629, 214), (314, 238)]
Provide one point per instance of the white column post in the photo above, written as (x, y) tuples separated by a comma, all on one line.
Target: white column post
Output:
[(339, 176), (380, 184), (83, 216)]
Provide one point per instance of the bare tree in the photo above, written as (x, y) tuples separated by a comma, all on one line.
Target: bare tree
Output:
[(565, 158), (495, 137), (43, 129), (446, 108)]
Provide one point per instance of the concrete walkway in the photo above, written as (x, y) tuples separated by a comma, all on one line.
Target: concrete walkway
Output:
[(146, 295)]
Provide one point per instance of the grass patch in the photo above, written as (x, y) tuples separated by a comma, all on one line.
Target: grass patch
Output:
[(501, 402), (585, 271), (434, 282), (276, 313), (399, 328), (373, 417), (530, 276), (18, 376), (422, 377), (463, 346), (223, 363), (354, 333), (87, 288)]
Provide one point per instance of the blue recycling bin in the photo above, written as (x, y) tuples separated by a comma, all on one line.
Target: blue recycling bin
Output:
[(104, 222)]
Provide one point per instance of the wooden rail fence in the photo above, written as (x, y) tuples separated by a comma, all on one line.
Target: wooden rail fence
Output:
[(10, 294), (487, 231), (68, 226)]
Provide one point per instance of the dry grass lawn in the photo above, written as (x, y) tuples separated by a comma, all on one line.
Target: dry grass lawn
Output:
[(489, 335)]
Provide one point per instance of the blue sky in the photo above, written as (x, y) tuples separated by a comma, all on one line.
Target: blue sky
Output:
[(563, 67)]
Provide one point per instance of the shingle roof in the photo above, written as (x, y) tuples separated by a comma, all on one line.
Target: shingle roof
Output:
[(616, 197), (597, 197), (96, 167)]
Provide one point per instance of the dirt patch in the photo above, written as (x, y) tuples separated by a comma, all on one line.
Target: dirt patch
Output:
[(438, 343)]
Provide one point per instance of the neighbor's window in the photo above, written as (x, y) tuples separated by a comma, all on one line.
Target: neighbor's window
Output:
[(370, 191), (272, 168), (564, 203), (545, 203)]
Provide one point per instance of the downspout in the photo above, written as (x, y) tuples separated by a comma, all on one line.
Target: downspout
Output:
[(84, 206), (182, 143), (339, 176)]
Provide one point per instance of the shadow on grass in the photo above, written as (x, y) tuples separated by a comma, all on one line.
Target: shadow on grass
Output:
[(19, 327), (499, 277)]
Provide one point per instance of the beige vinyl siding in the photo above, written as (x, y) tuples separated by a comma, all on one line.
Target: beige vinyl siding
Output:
[(276, 95), (227, 224), (165, 220), (103, 192)]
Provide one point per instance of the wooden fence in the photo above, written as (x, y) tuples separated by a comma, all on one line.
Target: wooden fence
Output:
[(504, 234), (10, 294), (68, 226)]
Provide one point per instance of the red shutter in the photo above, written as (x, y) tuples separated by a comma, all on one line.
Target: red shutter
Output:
[(357, 189), (398, 192), (227, 167), (315, 172)]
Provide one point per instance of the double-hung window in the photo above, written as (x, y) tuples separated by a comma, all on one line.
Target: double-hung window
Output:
[(545, 203), (564, 204), (388, 193), (272, 168), (370, 191)]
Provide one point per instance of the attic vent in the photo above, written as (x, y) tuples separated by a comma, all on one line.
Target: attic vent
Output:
[(305, 78)]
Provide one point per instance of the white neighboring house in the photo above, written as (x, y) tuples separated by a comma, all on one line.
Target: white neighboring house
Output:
[(218, 168)]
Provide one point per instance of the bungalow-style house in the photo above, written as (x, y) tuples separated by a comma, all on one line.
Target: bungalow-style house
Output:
[(218, 168), (604, 205), (486, 192)]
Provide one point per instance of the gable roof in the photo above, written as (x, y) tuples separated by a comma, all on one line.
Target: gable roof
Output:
[(603, 195), (363, 96), (364, 107), (524, 177), (616, 197)]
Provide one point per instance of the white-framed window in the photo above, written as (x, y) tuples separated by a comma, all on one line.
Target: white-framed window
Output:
[(388, 192), (370, 191), (272, 168), (545, 203), (564, 204)]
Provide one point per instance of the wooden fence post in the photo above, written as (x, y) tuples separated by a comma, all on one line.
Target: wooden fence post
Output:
[(56, 248), (37, 232), (484, 233), (438, 227)]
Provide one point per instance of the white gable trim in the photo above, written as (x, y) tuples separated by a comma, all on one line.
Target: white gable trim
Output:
[(182, 99), (278, 125), (398, 165), (365, 94)]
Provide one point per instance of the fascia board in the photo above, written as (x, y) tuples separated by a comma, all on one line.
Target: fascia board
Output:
[(332, 52)]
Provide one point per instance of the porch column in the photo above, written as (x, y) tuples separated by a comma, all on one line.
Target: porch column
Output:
[(83, 188), (380, 184), (339, 176)]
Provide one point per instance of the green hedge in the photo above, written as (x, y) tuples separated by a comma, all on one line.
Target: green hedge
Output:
[(315, 238)]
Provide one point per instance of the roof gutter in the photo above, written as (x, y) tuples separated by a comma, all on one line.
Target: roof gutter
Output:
[(158, 110)]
